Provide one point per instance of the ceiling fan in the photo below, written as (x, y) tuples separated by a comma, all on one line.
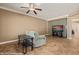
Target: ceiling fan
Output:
[(32, 7)]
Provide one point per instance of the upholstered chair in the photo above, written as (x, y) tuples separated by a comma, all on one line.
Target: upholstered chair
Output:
[(38, 40)]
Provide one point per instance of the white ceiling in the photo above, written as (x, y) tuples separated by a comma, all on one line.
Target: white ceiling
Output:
[(49, 10)]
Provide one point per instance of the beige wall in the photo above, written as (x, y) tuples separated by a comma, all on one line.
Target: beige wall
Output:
[(12, 24)]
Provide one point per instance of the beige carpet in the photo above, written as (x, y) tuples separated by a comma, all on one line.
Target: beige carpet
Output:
[(54, 46)]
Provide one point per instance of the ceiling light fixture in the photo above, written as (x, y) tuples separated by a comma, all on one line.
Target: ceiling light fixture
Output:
[(32, 7)]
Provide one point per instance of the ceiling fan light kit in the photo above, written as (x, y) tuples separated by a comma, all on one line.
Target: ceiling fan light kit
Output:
[(32, 7)]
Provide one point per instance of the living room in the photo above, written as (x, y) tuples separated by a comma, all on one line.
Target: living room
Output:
[(16, 19)]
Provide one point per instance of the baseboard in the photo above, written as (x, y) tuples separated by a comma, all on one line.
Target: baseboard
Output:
[(8, 42), (69, 38)]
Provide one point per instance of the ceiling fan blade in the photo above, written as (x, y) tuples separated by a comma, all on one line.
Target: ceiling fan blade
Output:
[(24, 7), (38, 9), (28, 11), (35, 12)]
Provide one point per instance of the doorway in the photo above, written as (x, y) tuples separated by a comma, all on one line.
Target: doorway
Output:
[(75, 29)]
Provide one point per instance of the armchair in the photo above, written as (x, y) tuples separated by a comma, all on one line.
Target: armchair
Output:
[(38, 40)]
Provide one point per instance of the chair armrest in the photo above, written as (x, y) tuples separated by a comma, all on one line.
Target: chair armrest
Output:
[(42, 37)]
